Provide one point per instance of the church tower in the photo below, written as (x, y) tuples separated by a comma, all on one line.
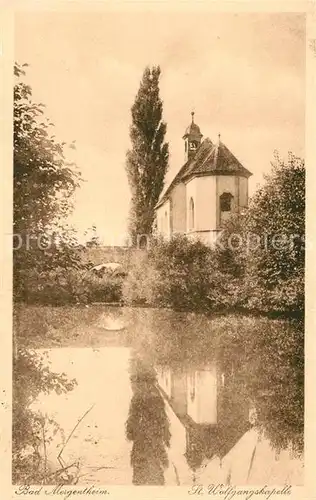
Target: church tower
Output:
[(192, 139)]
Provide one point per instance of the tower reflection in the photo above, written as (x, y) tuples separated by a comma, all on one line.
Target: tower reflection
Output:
[(147, 425), (210, 405)]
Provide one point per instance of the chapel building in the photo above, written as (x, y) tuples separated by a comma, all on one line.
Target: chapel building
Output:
[(210, 186)]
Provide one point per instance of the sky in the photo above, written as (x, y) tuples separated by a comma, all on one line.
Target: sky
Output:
[(243, 75)]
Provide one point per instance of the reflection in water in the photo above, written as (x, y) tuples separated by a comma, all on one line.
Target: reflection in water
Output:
[(32, 431), (208, 402), (211, 373), (264, 359), (147, 425)]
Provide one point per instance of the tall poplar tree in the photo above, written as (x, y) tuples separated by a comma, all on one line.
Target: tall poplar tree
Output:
[(147, 160)]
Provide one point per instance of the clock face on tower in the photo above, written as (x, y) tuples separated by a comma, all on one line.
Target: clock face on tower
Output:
[(192, 145)]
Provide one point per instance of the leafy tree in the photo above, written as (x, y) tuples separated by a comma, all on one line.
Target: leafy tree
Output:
[(147, 161), (93, 240), (275, 270), (43, 180), (43, 183), (268, 254)]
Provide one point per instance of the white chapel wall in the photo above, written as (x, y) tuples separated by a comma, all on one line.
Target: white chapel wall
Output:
[(203, 192), (163, 219), (179, 209), (206, 203), (202, 395), (243, 192)]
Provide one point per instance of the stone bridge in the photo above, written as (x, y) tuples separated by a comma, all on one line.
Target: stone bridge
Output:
[(104, 254)]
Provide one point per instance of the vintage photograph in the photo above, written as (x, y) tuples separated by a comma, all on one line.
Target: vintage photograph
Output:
[(158, 248)]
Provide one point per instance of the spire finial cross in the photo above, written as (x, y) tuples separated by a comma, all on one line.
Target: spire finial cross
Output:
[(192, 114)]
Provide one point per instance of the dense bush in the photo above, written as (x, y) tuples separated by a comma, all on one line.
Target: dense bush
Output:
[(71, 286), (54, 287), (182, 274), (184, 269), (176, 273), (107, 288), (270, 260), (139, 285)]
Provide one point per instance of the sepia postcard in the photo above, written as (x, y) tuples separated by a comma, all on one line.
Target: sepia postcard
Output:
[(158, 252)]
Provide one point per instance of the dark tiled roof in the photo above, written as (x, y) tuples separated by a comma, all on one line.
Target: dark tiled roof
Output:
[(209, 159), (202, 150), (219, 161), (193, 129)]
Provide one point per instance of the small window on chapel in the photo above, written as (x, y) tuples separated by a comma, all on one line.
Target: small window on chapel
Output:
[(191, 214), (166, 222), (226, 202)]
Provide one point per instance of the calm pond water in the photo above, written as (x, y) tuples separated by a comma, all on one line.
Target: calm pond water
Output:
[(175, 398)]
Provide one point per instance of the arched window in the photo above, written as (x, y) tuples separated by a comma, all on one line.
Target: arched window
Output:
[(191, 214), (226, 202), (142, 241), (166, 222)]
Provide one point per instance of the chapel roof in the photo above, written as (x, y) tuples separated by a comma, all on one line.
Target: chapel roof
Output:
[(192, 129), (210, 159)]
